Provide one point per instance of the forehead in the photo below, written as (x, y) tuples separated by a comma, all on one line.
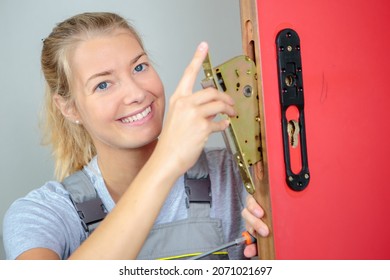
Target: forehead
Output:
[(101, 52), (106, 43)]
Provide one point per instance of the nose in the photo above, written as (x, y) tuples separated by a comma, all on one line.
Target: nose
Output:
[(133, 92)]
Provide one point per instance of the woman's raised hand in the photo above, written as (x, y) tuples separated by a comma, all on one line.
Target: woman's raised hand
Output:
[(190, 116)]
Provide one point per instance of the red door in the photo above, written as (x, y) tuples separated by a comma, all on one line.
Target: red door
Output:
[(344, 212)]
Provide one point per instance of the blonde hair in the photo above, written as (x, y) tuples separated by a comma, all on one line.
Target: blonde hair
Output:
[(72, 147)]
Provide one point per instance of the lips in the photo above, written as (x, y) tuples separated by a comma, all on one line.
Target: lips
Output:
[(138, 116)]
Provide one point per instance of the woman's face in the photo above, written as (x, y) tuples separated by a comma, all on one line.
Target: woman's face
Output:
[(118, 95)]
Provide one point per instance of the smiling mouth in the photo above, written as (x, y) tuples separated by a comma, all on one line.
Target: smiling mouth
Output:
[(138, 116)]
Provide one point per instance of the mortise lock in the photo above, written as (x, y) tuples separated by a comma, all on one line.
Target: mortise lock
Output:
[(291, 95), (238, 78)]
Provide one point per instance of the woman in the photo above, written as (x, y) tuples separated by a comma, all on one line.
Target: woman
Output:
[(104, 113)]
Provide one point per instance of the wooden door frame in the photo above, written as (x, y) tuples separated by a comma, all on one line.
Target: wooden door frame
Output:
[(251, 48)]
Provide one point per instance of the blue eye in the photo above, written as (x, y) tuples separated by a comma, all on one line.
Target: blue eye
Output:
[(102, 86), (140, 67)]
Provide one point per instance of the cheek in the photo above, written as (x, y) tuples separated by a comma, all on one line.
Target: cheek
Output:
[(156, 85), (162, 103), (97, 111), (160, 89), (161, 95)]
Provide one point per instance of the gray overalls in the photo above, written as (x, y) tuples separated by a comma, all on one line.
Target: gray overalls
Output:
[(180, 239)]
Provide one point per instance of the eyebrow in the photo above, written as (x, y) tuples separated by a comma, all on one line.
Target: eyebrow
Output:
[(109, 72)]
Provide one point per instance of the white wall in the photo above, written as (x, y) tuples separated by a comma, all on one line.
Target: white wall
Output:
[(171, 29)]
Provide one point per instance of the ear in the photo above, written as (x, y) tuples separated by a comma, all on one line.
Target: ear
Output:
[(67, 108)]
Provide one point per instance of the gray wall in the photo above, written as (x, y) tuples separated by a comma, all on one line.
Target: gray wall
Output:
[(171, 30)]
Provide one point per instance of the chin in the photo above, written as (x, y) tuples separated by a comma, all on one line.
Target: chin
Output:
[(150, 142)]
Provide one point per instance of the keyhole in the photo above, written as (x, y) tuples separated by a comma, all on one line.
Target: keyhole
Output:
[(289, 80), (293, 132)]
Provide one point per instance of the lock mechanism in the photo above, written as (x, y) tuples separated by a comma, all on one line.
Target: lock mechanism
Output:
[(238, 78)]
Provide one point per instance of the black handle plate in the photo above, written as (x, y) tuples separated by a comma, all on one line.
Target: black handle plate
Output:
[(291, 95)]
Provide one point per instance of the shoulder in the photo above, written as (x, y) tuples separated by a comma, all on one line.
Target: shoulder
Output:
[(224, 174), (222, 159), (45, 217), (217, 151), (217, 155), (49, 195)]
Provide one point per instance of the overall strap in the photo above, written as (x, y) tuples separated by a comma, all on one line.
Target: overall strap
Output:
[(91, 209), (199, 232), (85, 199), (198, 188)]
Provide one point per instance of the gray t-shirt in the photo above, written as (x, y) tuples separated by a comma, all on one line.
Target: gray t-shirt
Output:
[(46, 217)]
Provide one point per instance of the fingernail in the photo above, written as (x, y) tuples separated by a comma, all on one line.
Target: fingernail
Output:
[(202, 46)]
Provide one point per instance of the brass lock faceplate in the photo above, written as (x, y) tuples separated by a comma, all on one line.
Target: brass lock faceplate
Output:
[(238, 78)]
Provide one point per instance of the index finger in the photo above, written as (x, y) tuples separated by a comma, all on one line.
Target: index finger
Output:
[(187, 82)]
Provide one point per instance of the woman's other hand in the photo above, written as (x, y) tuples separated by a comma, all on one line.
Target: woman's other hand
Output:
[(252, 215)]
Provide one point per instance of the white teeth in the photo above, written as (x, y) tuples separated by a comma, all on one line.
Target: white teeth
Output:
[(137, 117)]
